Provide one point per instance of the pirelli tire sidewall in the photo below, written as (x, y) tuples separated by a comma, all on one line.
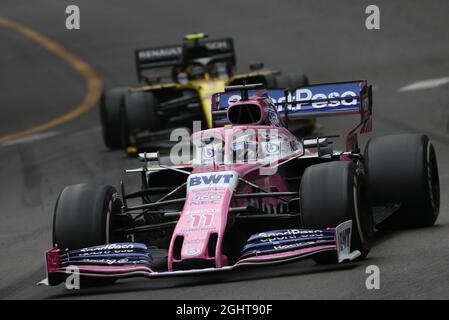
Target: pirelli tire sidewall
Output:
[(83, 216)]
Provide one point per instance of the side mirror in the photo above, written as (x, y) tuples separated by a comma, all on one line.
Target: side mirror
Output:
[(315, 143), (323, 146)]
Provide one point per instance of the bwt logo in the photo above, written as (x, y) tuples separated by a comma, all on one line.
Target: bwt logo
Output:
[(210, 179)]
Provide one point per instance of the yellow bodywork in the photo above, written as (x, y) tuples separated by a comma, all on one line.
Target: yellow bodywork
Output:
[(205, 91), (205, 88)]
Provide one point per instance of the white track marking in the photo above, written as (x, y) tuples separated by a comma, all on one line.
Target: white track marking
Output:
[(30, 138), (425, 84)]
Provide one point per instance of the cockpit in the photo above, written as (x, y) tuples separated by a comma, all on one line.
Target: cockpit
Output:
[(235, 145)]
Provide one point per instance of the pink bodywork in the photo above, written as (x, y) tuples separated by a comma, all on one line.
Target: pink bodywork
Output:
[(200, 219)]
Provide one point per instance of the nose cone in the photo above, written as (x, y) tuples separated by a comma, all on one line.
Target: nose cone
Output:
[(198, 235)]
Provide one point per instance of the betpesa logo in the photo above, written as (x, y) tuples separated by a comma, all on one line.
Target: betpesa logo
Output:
[(303, 97)]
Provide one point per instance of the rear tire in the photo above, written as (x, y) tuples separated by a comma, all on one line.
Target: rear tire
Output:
[(332, 193), (402, 169), (137, 114), (83, 214), (110, 102), (291, 80)]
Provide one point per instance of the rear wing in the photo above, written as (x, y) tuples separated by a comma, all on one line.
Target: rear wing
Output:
[(307, 102), (167, 56)]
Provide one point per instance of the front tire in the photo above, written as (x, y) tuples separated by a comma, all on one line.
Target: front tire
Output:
[(83, 216), (332, 193)]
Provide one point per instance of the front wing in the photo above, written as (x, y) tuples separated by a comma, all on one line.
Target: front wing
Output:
[(128, 260)]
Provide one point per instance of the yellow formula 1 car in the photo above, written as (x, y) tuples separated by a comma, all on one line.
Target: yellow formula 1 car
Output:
[(178, 82)]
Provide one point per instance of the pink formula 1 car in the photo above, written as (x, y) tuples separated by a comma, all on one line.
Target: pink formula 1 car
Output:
[(251, 194)]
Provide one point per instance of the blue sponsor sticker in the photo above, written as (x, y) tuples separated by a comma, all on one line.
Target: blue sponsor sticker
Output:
[(286, 240), (110, 252), (285, 234), (337, 97), (283, 247), (108, 256), (114, 246)]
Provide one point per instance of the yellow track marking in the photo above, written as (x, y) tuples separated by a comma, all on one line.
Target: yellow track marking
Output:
[(93, 82)]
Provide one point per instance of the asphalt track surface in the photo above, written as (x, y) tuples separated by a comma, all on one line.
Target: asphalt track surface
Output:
[(326, 39)]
